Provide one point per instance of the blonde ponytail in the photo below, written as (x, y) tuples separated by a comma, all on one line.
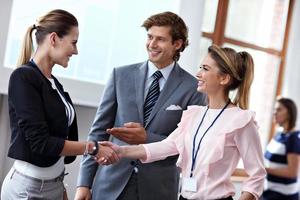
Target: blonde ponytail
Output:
[(27, 47), (243, 93), (240, 67), (58, 21)]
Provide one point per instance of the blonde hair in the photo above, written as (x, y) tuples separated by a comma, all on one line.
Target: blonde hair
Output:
[(58, 21), (240, 67)]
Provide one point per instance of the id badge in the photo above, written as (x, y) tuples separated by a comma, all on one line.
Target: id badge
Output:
[(189, 184)]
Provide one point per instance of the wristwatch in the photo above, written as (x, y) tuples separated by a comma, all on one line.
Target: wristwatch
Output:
[(95, 148)]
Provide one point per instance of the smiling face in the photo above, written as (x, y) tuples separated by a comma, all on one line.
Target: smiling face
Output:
[(160, 46), (65, 47), (210, 80)]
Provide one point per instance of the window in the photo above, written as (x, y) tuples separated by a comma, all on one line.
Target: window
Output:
[(110, 33), (259, 27)]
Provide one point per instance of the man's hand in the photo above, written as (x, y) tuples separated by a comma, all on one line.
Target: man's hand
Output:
[(83, 193), (131, 133)]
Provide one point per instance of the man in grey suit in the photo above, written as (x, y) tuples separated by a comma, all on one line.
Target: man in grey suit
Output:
[(125, 105)]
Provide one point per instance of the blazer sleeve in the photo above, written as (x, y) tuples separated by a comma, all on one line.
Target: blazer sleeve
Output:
[(105, 118), (24, 94), (73, 136)]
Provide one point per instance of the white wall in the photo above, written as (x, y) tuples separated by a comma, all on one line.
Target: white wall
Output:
[(191, 13), (5, 8), (292, 72)]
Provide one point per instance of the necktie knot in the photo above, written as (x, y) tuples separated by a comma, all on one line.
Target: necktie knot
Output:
[(157, 75), (152, 95)]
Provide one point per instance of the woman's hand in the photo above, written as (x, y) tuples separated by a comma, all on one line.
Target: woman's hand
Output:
[(128, 151)]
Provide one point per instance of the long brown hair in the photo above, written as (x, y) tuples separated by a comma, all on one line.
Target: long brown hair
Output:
[(240, 67), (58, 21), (179, 29)]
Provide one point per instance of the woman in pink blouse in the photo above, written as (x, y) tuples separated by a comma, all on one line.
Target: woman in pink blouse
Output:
[(211, 139)]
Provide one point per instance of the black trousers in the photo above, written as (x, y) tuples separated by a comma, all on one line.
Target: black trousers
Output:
[(227, 198), (131, 189)]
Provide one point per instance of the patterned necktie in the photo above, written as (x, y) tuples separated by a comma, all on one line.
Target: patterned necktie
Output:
[(152, 95)]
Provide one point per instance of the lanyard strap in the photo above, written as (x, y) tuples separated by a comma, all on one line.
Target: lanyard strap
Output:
[(194, 154)]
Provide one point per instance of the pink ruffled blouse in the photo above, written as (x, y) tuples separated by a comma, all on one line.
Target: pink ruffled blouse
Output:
[(233, 136)]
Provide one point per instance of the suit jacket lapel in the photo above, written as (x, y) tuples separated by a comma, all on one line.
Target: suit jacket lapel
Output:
[(140, 77), (172, 83)]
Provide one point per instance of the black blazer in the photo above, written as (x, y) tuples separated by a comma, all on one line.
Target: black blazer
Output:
[(38, 120)]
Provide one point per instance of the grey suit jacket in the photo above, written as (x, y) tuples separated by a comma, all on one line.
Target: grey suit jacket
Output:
[(122, 102)]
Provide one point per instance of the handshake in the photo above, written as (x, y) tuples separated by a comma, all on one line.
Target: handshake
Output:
[(131, 133), (108, 153)]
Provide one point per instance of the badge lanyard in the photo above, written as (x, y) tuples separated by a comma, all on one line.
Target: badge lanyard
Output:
[(194, 154)]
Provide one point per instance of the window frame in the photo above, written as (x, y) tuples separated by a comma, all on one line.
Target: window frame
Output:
[(218, 37)]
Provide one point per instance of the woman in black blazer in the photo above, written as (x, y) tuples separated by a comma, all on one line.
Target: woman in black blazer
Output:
[(42, 116)]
